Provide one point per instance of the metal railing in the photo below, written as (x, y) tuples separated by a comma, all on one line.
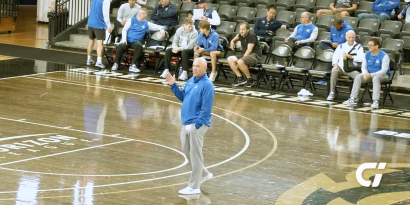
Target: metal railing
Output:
[(9, 8), (69, 13)]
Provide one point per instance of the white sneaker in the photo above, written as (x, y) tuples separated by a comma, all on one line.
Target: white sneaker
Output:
[(183, 76), (164, 73), (100, 65), (375, 104), (212, 76), (90, 62), (207, 177), (188, 190), (134, 68), (114, 67), (351, 101), (331, 96)]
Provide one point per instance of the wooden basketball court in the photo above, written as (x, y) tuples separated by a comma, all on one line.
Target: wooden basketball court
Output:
[(76, 135)]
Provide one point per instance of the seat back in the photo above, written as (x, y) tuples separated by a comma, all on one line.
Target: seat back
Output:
[(323, 59), (304, 57), (322, 4), (364, 40), (324, 22), (265, 52), (282, 51), (392, 26), (406, 40), (286, 16), (213, 6), (177, 3), (352, 21), (227, 11), (304, 5), (187, 6), (246, 13), (405, 30), (226, 28), (265, 2), (392, 46), (246, 2), (364, 7), (151, 4), (261, 13)]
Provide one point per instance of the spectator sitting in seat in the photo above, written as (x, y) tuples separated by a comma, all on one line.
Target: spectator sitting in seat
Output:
[(339, 8), (375, 69), (350, 50), (266, 27), (208, 44), (303, 34), (405, 13), (337, 34), (251, 53), (382, 9), (165, 14), (132, 34), (210, 15), (125, 12), (185, 39)]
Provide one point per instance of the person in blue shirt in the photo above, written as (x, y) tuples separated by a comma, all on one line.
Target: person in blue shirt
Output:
[(303, 34), (404, 13), (98, 22), (197, 100), (132, 35), (208, 44), (337, 34), (382, 10), (375, 69)]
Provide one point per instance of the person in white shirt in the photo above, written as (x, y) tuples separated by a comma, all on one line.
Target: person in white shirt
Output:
[(350, 50), (125, 12), (209, 15)]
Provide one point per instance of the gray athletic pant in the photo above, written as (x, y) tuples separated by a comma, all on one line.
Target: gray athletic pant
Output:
[(336, 74), (376, 80), (191, 145)]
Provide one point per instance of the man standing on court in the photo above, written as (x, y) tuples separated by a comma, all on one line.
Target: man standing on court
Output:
[(197, 100), (98, 21)]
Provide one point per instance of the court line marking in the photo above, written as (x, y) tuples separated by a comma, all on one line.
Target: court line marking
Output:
[(60, 153), (157, 178), (253, 97), (112, 136), (24, 136), (21, 76)]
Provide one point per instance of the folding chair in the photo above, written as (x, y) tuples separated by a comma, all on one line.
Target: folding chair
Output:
[(302, 61), (320, 71), (352, 21), (364, 7), (287, 17), (226, 12), (226, 28), (245, 14), (324, 22), (368, 27), (285, 4), (304, 5), (271, 72), (389, 29)]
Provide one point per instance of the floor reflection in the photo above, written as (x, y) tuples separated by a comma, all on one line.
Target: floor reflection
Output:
[(28, 189)]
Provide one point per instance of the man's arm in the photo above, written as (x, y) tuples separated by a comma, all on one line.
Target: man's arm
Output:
[(385, 66), (106, 13), (295, 31), (154, 27), (216, 20), (390, 5), (180, 94), (249, 49), (364, 65), (175, 42), (336, 55), (312, 37), (193, 41), (207, 103), (120, 13), (125, 30)]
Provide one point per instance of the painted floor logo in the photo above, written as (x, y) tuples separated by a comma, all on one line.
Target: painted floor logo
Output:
[(377, 177)]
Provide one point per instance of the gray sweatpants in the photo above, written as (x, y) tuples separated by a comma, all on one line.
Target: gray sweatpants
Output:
[(191, 145), (336, 74), (376, 80)]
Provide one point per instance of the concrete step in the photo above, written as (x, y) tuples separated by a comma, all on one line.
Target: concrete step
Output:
[(74, 45), (79, 38), (82, 31)]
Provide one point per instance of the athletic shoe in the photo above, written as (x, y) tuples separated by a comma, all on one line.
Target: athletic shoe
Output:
[(183, 76), (114, 67), (164, 73), (100, 65), (188, 190), (375, 104), (90, 62), (331, 96), (351, 101), (134, 68), (212, 76)]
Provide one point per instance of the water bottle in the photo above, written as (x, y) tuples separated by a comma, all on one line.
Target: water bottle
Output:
[(180, 72), (47, 44)]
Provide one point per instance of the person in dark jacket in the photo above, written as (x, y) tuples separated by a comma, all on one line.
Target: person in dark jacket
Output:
[(266, 27), (165, 14)]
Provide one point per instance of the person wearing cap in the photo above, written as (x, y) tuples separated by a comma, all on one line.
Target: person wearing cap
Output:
[(165, 14), (185, 38), (132, 34), (209, 15)]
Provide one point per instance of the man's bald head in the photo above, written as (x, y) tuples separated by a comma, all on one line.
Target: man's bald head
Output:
[(305, 18), (199, 67)]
